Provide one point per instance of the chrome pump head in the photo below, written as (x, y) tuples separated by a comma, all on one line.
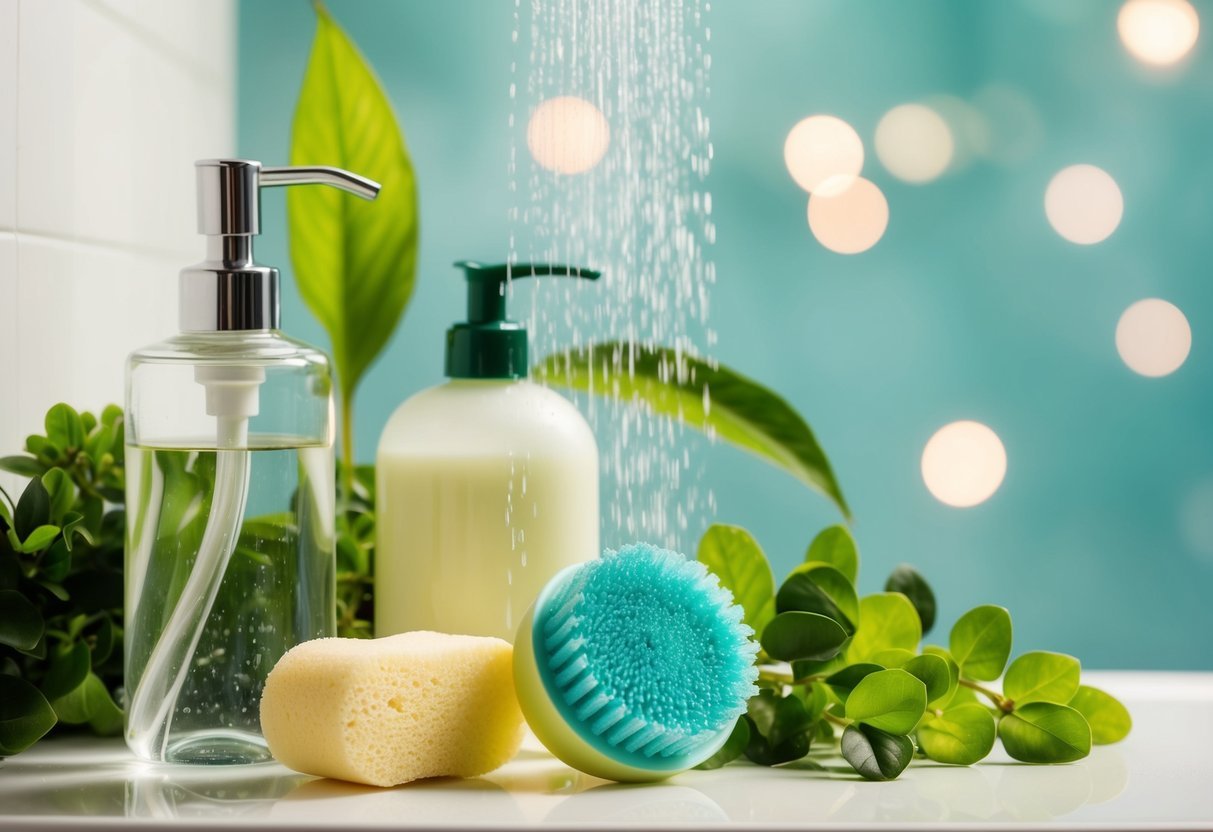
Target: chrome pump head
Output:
[(229, 291)]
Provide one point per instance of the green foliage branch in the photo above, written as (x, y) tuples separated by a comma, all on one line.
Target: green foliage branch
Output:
[(850, 674)]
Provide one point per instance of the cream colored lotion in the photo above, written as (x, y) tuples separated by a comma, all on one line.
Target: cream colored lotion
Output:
[(485, 490)]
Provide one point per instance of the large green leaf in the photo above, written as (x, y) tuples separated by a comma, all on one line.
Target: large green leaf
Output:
[(887, 621), (891, 700), (981, 642), (1044, 732), (354, 260), (25, 715), (961, 735), (707, 396), (1041, 676), (732, 555), (1109, 719), (876, 754)]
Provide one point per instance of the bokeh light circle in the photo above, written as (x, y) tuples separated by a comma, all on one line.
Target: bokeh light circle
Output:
[(821, 148), (1084, 204), (848, 214), (567, 134), (1153, 337), (1158, 32), (963, 464), (914, 142)]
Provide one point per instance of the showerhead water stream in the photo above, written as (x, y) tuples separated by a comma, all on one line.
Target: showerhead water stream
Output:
[(608, 167)]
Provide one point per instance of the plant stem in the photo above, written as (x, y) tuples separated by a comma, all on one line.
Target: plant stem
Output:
[(347, 445), (787, 678), (837, 720), (1003, 704)]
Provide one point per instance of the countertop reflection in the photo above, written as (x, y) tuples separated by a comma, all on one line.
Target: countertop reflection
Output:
[(1155, 777)]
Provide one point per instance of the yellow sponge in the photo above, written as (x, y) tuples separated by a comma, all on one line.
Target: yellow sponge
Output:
[(390, 710)]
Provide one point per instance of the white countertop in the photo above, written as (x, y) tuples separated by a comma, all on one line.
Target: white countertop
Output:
[(1158, 778)]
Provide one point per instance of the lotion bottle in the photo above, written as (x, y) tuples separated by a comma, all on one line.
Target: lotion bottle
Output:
[(487, 485)]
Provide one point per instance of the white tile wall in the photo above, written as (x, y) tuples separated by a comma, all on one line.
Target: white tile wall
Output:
[(104, 106), (8, 106), (105, 303), (117, 165), (9, 356)]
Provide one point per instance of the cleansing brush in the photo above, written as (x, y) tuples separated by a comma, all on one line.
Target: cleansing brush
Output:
[(635, 666)]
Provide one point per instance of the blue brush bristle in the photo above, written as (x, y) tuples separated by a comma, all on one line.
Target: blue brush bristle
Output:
[(647, 653)]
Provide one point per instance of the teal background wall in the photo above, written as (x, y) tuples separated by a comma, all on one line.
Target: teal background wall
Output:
[(971, 306)]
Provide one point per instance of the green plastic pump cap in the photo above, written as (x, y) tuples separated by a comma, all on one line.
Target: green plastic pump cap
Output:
[(487, 345)]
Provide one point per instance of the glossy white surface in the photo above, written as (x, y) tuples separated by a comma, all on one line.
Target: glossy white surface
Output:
[(1156, 779)]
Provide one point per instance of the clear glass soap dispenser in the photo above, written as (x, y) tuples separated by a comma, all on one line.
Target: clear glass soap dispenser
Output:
[(230, 491)]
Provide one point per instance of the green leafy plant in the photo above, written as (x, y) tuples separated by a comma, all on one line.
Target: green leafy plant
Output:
[(61, 545), (354, 261), (851, 674)]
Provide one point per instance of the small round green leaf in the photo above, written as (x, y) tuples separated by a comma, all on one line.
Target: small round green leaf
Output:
[(906, 580), (64, 426), (22, 466), (960, 736), (20, 622), (1109, 719), (1041, 676), (815, 699), (107, 719), (888, 620), (733, 747), (39, 539), (815, 587), (802, 635), (734, 556), (779, 729), (33, 509), (111, 414), (892, 657), (835, 547), (891, 700), (89, 702), (62, 493), (103, 643), (876, 754), (932, 671), (67, 671), (981, 642), (1045, 732), (56, 561), (845, 680), (953, 675), (25, 715)]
